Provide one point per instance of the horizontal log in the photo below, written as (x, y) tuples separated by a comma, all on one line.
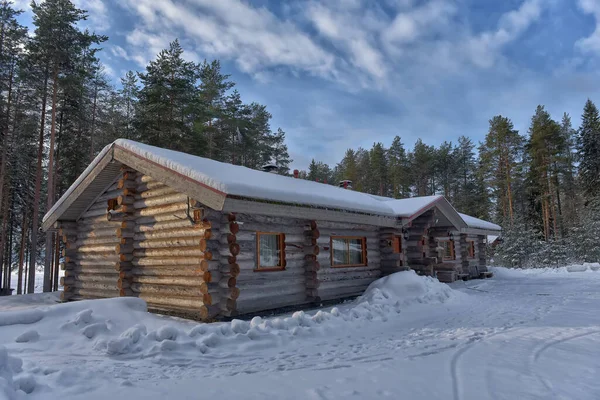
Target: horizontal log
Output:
[(167, 199), (94, 285), (192, 230), (230, 293), (190, 271), (126, 184), (162, 209), (159, 191), (260, 293), (248, 227), (93, 293), (170, 280), (232, 270), (172, 216), (95, 274), (171, 223), (195, 303), (170, 290), (199, 262), (170, 252), (95, 212), (198, 241), (86, 243), (268, 303)]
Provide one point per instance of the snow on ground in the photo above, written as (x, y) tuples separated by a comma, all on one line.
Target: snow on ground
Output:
[(519, 335)]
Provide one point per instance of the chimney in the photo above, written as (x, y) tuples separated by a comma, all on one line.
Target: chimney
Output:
[(296, 173), (346, 184), (272, 168)]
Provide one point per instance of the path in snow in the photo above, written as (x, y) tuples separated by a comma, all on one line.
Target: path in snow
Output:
[(516, 336)]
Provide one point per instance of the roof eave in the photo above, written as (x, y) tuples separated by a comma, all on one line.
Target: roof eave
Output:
[(65, 202)]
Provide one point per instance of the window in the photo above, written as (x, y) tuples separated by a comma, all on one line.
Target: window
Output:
[(448, 246), (397, 244), (112, 204), (348, 251), (270, 249), (471, 249)]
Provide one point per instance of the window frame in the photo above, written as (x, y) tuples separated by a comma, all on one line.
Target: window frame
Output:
[(397, 244), (281, 242), (452, 250), (471, 249), (112, 204), (364, 251)]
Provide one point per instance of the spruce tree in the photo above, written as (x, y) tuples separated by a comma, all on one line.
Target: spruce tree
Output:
[(589, 152)]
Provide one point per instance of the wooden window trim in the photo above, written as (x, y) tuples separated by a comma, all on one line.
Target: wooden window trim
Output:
[(113, 204), (281, 239), (364, 252), (471, 250), (397, 244), (452, 252)]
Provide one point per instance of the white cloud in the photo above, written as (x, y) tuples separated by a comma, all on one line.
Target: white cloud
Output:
[(426, 20), (253, 37), (483, 49), (592, 42)]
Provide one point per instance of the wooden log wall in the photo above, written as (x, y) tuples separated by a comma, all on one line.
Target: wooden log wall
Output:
[(168, 252), (391, 261), (418, 251), (96, 246), (480, 254), (269, 289), (224, 263), (470, 266), (342, 282)]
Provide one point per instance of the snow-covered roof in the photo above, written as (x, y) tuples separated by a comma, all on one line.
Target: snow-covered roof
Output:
[(411, 206), (233, 181), (476, 223)]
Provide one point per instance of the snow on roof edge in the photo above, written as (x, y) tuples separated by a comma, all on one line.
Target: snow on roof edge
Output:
[(476, 223)]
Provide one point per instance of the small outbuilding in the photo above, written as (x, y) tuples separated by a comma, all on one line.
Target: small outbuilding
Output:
[(205, 239)]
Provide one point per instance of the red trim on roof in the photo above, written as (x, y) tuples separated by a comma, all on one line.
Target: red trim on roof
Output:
[(187, 178)]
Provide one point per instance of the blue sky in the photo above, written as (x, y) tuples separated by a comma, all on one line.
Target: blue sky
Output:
[(346, 73)]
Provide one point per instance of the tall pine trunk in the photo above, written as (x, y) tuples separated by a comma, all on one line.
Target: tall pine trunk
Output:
[(51, 182), (24, 229), (38, 189)]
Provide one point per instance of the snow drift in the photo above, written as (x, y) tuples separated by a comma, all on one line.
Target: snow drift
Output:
[(121, 328), (547, 271)]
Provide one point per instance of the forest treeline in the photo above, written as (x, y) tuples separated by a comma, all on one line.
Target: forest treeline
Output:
[(542, 187), (58, 108)]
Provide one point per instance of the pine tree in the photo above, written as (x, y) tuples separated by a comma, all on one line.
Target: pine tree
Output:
[(567, 171), (545, 148), (399, 170), (500, 153), (589, 151), (421, 167), (129, 99), (445, 168), (279, 152), (379, 170), (464, 156), (167, 100)]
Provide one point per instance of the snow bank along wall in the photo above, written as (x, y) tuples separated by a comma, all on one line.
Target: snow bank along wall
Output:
[(142, 237)]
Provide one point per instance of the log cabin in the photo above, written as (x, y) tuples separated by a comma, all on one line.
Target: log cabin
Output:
[(208, 240)]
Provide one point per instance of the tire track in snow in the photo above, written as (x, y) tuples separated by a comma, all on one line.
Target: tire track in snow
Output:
[(546, 346)]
